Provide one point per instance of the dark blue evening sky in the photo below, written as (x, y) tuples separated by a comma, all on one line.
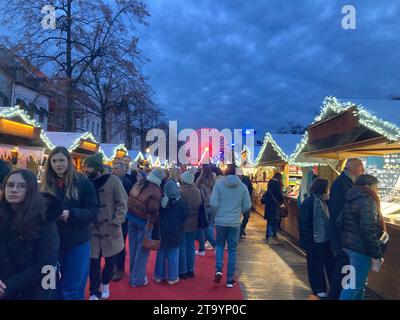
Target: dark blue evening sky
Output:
[(260, 63)]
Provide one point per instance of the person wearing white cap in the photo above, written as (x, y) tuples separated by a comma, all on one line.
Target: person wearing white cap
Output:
[(143, 207), (192, 197)]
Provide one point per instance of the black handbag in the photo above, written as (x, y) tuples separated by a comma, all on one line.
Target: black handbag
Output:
[(203, 218)]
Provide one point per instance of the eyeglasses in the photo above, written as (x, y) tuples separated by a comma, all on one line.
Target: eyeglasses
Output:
[(19, 186)]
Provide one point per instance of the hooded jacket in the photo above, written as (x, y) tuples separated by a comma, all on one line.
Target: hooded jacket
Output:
[(229, 199), (359, 224)]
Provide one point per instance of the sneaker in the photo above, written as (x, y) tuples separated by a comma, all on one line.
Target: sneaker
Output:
[(200, 253), (183, 275), (157, 280), (190, 274), (105, 291), (242, 236), (118, 275), (322, 295), (208, 246), (146, 282), (172, 282), (218, 277), (230, 284), (93, 297)]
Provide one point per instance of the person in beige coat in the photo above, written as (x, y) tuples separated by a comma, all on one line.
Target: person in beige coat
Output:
[(193, 199), (107, 238)]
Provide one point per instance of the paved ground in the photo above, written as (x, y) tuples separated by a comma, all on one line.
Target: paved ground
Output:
[(273, 272), (267, 272)]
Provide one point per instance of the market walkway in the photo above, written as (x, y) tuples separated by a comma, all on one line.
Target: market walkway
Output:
[(277, 272)]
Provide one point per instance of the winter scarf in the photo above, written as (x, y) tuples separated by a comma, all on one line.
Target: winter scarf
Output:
[(320, 219)]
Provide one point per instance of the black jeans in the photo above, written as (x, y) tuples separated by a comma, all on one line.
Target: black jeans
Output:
[(319, 260), (340, 260), (246, 216), (120, 259), (95, 270)]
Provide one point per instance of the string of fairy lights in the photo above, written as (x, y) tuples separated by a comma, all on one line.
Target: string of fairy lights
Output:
[(330, 104)]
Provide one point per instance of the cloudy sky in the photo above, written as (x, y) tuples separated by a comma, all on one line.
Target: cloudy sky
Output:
[(260, 63)]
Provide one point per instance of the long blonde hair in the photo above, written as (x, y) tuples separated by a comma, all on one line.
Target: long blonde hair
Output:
[(49, 184), (175, 174)]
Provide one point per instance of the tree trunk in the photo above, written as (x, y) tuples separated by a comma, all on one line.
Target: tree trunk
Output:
[(70, 102), (128, 125), (103, 115)]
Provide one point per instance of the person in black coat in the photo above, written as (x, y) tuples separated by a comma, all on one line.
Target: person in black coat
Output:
[(314, 237), (361, 227), (246, 215), (273, 199), (337, 197), (29, 241), (79, 210), (171, 219), (119, 170)]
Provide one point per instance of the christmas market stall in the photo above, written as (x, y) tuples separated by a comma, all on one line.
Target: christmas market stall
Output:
[(22, 141), (276, 156), (369, 130), (80, 145), (113, 152)]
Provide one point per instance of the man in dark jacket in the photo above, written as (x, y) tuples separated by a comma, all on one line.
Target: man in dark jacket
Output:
[(339, 189), (246, 215), (130, 174), (119, 170)]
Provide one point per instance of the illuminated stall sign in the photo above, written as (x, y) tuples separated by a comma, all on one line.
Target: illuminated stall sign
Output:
[(18, 129)]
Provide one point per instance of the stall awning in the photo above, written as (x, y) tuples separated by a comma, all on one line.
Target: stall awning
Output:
[(78, 142), (277, 148), (18, 129), (113, 151), (347, 129)]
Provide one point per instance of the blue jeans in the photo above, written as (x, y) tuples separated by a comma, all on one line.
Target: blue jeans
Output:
[(362, 265), (186, 253), (210, 234), (74, 268), (138, 256), (167, 264), (228, 235)]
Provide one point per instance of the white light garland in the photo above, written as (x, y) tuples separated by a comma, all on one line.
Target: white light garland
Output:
[(380, 126), (86, 136), (372, 122), (269, 139), (17, 112)]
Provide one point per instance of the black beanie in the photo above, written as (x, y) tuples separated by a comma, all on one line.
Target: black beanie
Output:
[(94, 162)]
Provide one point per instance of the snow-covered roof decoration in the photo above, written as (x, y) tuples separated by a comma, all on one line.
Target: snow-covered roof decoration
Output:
[(381, 116), (372, 114), (9, 113), (110, 150), (135, 155), (69, 140), (283, 144)]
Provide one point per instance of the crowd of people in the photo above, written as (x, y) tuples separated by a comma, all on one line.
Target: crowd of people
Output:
[(64, 225), (342, 225)]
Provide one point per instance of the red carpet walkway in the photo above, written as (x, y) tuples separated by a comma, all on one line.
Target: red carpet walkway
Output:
[(201, 287)]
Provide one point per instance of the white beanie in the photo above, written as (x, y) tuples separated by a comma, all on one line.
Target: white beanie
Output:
[(188, 177), (156, 176)]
